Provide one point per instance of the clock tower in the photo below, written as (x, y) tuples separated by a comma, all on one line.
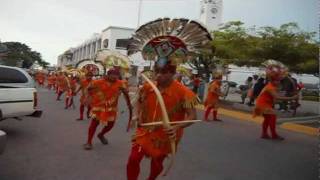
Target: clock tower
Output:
[(211, 13)]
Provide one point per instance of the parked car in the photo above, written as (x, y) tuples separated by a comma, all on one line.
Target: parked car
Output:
[(3, 140), (18, 96)]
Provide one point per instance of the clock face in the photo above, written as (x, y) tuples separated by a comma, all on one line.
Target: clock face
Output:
[(214, 10)]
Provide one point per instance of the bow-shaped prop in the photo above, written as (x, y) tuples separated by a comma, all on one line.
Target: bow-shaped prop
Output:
[(165, 120), (130, 110)]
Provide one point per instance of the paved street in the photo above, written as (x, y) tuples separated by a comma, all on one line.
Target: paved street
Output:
[(50, 148)]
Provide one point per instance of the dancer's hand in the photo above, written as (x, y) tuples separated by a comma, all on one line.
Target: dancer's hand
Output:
[(133, 123), (172, 131)]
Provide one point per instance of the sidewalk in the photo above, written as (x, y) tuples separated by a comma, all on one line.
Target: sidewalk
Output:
[(307, 108), (231, 107)]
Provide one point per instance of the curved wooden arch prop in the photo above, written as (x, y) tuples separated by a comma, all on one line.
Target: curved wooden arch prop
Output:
[(88, 62)]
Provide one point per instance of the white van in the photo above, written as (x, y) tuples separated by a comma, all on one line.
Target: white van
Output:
[(18, 96)]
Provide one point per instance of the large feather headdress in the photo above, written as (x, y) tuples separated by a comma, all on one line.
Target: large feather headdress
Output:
[(166, 39), (275, 70), (112, 59)]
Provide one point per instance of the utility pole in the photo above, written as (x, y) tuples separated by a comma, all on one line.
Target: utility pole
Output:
[(139, 12)]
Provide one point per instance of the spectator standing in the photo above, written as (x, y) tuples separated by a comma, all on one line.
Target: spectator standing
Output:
[(250, 91), (196, 83), (258, 87), (244, 89)]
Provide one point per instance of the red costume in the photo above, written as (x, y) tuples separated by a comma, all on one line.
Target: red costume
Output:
[(154, 142), (212, 99), (104, 102), (62, 85), (70, 92), (264, 107), (275, 71), (84, 97), (211, 102), (51, 81), (169, 43), (40, 78)]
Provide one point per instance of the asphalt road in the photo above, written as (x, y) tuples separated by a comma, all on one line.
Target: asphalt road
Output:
[(50, 148)]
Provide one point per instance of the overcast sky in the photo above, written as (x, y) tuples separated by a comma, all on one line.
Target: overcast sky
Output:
[(52, 26)]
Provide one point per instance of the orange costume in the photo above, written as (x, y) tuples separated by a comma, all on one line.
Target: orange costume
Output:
[(264, 107), (40, 77), (84, 83), (62, 85), (153, 141), (212, 99), (104, 96), (71, 89), (105, 100), (275, 71), (168, 51), (265, 101), (51, 81)]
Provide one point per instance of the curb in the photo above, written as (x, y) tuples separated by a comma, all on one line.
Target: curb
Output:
[(248, 117)]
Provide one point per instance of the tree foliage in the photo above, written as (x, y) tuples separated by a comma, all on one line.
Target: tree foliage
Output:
[(235, 44), (20, 54)]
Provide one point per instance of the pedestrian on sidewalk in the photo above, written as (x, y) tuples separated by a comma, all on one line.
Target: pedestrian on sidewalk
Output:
[(104, 104), (251, 89), (196, 83), (258, 88), (245, 89), (275, 71), (212, 100)]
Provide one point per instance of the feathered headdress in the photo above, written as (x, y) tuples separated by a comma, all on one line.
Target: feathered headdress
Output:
[(90, 67), (275, 70), (217, 74), (169, 41), (184, 71), (113, 59)]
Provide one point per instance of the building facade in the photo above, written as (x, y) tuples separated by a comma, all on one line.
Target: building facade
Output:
[(211, 13), (112, 38)]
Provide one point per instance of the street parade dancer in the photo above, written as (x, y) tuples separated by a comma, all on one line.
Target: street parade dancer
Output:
[(51, 80), (62, 84), (84, 83), (71, 89), (104, 101), (212, 100), (40, 78), (164, 107), (275, 71)]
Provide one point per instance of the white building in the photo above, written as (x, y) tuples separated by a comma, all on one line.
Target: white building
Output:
[(111, 38), (65, 59), (211, 13)]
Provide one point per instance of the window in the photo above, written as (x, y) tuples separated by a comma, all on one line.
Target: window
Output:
[(105, 43), (99, 44), (122, 43), (94, 47), (8, 75)]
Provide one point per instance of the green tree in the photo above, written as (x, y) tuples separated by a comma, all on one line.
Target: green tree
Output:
[(290, 45), (233, 43), (21, 54)]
